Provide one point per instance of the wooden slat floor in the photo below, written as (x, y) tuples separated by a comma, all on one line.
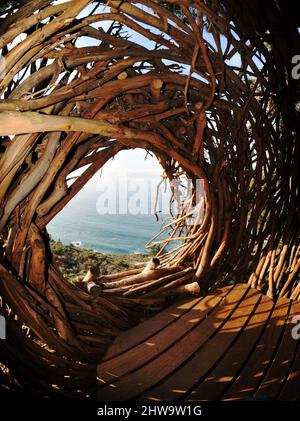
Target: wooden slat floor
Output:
[(233, 344)]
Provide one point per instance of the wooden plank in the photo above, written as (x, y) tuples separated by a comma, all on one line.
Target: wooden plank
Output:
[(291, 389), (216, 382), (253, 373), (145, 330), (133, 384), (114, 368), (183, 379), (281, 365)]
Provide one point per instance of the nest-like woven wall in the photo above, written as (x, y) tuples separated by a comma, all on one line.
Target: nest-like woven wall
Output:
[(207, 87)]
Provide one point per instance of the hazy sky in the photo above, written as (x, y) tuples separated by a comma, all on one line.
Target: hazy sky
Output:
[(131, 165)]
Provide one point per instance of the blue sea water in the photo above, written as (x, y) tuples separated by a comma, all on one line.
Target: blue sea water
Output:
[(130, 182), (80, 221)]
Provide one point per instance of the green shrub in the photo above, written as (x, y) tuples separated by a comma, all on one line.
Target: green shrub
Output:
[(57, 248)]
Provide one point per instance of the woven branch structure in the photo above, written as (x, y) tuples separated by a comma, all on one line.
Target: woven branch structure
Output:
[(207, 87)]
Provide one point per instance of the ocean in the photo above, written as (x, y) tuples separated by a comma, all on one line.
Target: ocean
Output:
[(114, 212), (121, 234), (83, 220)]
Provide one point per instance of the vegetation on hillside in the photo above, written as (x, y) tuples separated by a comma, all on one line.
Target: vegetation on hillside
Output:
[(74, 262)]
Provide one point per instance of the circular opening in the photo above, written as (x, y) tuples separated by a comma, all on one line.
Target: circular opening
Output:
[(125, 211)]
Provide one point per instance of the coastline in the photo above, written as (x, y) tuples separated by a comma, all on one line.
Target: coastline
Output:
[(75, 261)]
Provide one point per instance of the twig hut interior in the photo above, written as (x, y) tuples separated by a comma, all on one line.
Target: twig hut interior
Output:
[(207, 87)]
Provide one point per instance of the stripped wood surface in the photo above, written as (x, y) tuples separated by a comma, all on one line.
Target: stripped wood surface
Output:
[(233, 344)]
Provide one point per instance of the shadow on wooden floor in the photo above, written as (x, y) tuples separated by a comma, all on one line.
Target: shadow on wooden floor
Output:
[(235, 344)]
